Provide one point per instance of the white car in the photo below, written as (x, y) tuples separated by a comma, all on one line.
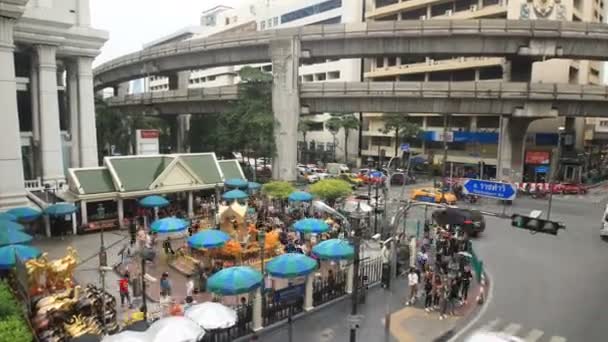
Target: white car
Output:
[(486, 336)]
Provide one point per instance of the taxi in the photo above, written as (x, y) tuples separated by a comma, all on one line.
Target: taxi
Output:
[(351, 178), (421, 194)]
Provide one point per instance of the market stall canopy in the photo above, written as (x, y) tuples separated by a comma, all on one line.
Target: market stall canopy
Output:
[(174, 329), (211, 316), (233, 195), (25, 214), (13, 236), (300, 196), (141, 175), (234, 280), (9, 254), (334, 249), (5, 225), (169, 225), (208, 238), (153, 201), (60, 209), (237, 183), (291, 265), (311, 225), (8, 217)]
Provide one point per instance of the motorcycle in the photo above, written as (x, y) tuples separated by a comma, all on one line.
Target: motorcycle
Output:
[(540, 194), (471, 199)]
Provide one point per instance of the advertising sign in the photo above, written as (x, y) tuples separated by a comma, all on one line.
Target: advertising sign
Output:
[(147, 141), (538, 157)]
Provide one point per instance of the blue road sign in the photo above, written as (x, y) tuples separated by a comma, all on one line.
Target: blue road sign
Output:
[(405, 147), (498, 190), (429, 199), (542, 169)]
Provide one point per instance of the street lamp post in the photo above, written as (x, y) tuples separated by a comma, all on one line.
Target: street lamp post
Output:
[(103, 263), (261, 243), (555, 169)]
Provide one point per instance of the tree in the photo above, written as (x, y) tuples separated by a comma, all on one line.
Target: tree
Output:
[(331, 189), (349, 122), (402, 128), (333, 125), (278, 189), (304, 126)]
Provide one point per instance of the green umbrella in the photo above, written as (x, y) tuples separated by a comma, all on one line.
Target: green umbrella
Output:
[(13, 236)]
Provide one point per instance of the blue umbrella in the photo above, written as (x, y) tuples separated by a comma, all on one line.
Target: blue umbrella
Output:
[(238, 183), (234, 195), (208, 238), (60, 209), (13, 236), (7, 225), (311, 225), (169, 225), (9, 254), (291, 265), (25, 214), (334, 249), (8, 217), (300, 196), (153, 202), (254, 186), (234, 280)]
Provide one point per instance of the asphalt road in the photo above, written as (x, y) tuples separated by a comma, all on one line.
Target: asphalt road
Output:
[(550, 287)]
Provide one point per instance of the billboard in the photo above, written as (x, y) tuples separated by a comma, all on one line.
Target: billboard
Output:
[(538, 157), (147, 142)]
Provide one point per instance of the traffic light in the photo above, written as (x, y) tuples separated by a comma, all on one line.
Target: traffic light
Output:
[(536, 224)]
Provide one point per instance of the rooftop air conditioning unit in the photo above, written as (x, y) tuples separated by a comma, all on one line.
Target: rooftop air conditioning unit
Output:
[(423, 17), (473, 8), (448, 13)]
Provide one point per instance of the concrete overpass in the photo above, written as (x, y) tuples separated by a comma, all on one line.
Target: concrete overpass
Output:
[(440, 38), (515, 99)]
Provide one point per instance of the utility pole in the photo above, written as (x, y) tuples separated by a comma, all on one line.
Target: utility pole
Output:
[(103, 263), (356, 262), (554, 170), (445, 155)]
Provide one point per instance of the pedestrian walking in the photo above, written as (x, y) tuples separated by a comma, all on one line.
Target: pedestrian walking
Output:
[(167, 247), (445, 298), (412, 281), (189, 286), (453, 297), (437, 291), (123, 289), (428, 294), (165, 285), (467, 276)]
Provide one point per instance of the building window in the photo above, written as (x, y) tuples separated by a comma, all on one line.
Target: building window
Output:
[(311, 10), (210, 78), (392, 61), (316, 126), (275, 21), (333, 75), (263, 25), (270, 23), (381, 141), (320, 77), (379, 62), (308, 78), (604, 123)]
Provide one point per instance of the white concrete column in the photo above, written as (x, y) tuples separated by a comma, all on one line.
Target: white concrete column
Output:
[(122, 89), (424, 128), (413, 252), (84, 215), (83, 12), (50, 135), (12, 189), (349, 278), (285, 55), (74, 224), (121, 213), (190, 204), (72, 91), (183, 128), (308, 292), (473, 124), (34, 98), (47, 226), (86, 112), (257, 310), (511, 148)]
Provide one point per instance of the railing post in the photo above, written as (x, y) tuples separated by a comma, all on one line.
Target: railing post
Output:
[(349, 278), (257, 310), (47, 226), (308, 303)]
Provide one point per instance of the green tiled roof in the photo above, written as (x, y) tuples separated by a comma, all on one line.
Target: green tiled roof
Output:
[(136, 174), (204, 166), (230, 169), (95, 181)]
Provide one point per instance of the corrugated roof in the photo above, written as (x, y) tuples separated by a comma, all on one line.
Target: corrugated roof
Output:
[(95, 181), (204, 166), (136, 174), (231, 169)]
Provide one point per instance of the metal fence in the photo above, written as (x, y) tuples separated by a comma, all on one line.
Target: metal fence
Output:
[(370, 271), (327, 289), (276, 310), (242, 327)]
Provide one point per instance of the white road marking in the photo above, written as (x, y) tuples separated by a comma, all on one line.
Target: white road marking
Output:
[(490, 325), (512, 329), (557, 339), (534, 335)]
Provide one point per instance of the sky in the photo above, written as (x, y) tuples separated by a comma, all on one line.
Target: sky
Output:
[(132, 23)]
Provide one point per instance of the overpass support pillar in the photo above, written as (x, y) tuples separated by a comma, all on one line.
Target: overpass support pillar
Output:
[(285, 54), (179, 80), (121, 89), (511, 148), (183, 128), (517, 70), (12, 189)]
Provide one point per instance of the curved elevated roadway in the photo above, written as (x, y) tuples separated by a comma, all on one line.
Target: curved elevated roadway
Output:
[(481, 98), (487, 37)]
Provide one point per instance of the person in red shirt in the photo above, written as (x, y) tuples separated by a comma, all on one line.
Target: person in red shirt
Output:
[(123, 287)]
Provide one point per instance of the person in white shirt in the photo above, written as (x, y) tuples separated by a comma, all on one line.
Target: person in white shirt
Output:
[(412, 281), (189, 286)]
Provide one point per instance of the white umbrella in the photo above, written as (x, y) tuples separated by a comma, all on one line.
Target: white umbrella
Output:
[(174, 329), (465, 254), (126, 336), (210, 315)]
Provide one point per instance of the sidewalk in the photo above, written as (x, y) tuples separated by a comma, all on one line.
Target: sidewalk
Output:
[(407, 323)]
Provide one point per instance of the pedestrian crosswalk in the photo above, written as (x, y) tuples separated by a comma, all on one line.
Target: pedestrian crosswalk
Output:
[(518, 330)]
